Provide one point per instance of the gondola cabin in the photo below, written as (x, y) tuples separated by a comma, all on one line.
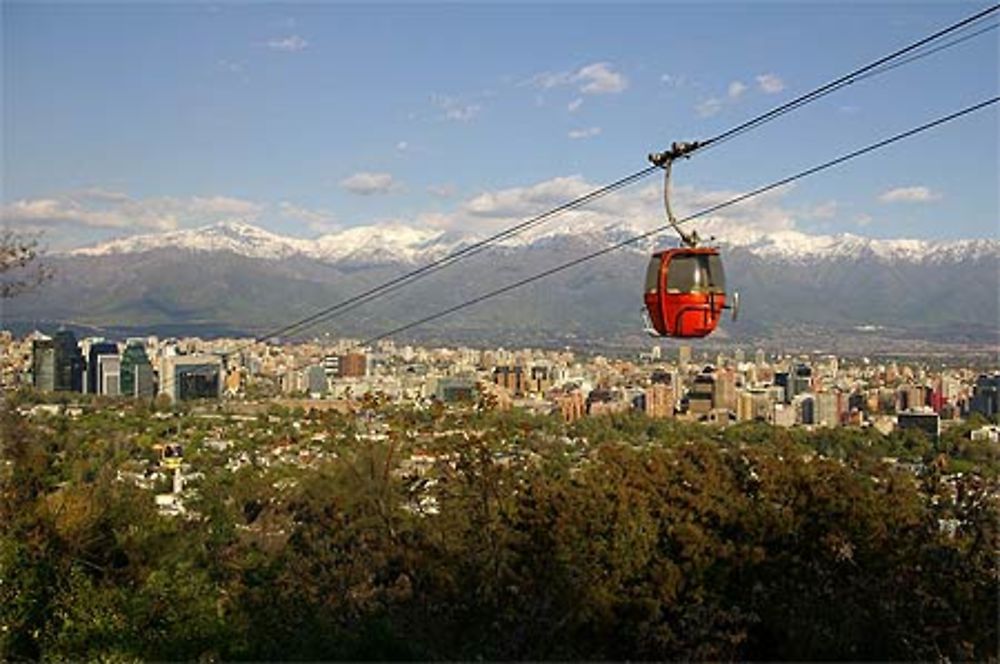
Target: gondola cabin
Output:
[(685, 291)]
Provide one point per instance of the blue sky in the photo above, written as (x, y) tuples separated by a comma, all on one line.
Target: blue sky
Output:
[(303, 118)]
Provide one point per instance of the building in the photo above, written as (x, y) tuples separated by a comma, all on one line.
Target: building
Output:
[(57, 363), (316, 383), (801, 380), (136, 371), (659, 400), (989, 433), (683, 357), (455, 388), (754, 404), (352, 365), (985, 395), (700, 398), (185, 377), (923, 420), (827, 409), (109, 371), (572, 406), (94, 352)]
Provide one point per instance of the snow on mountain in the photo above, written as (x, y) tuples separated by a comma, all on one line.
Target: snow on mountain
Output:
[(399, 243), (236, 237)]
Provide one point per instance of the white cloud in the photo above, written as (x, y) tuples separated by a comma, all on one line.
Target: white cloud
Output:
[(708, 107), (770, 83), (736, 89), (589, 132), (367, 184), (909, 195), (97, 208), (455, 108), (402, 146), (574, 105), (289, 44), (641, 208), (863, 220), (598, 78)]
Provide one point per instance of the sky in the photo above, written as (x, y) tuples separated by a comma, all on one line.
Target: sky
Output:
[(304, 119)]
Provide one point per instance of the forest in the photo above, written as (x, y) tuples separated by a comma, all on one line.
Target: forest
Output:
[(471, 534)]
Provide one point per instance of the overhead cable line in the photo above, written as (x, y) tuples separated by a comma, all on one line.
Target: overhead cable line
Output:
[(869, 70), (715, 208)]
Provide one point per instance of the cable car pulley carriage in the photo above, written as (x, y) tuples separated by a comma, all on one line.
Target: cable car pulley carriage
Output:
[(685, 291)]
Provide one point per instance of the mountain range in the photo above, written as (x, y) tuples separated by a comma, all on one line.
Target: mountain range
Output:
[(235, 278)]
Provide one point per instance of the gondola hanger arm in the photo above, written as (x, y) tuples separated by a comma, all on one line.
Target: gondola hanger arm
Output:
[(665, 160)]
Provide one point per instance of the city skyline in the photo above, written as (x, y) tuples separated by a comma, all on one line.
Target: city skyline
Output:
[(309, 118)]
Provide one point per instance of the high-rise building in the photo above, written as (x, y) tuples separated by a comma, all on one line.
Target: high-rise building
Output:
[(827, 409), (57, 363), (986, 395), (43, 364), (659, 401), (109, 370), (700, 397), (352, 365), (316, 380), (801, 379), (96, 350), (684, 356), (185, 377), (136, 371)]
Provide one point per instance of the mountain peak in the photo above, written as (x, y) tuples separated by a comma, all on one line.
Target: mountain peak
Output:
[(395, 243)]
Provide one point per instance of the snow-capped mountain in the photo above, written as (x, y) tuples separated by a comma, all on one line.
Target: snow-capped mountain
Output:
[(236, 278), (374, 244), (385, 244)]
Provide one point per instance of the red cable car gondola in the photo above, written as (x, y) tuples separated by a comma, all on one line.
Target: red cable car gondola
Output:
[(685, 289)]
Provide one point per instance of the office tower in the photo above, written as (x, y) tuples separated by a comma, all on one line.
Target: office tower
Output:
[(684, 356), (783, 380), (316, 380), (43, 364), (95, 350), (136, 371), (57, 364), (827, 409), (659, 400), (805, 408), (352, 365), (185, 377), (109, 375), (700, 397), (801, 379), (985, 395), (724, 394), (759, 358)]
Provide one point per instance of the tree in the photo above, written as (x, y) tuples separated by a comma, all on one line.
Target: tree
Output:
[(20, 269)]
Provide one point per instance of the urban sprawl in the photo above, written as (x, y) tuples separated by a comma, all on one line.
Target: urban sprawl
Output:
[(783, 390)]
